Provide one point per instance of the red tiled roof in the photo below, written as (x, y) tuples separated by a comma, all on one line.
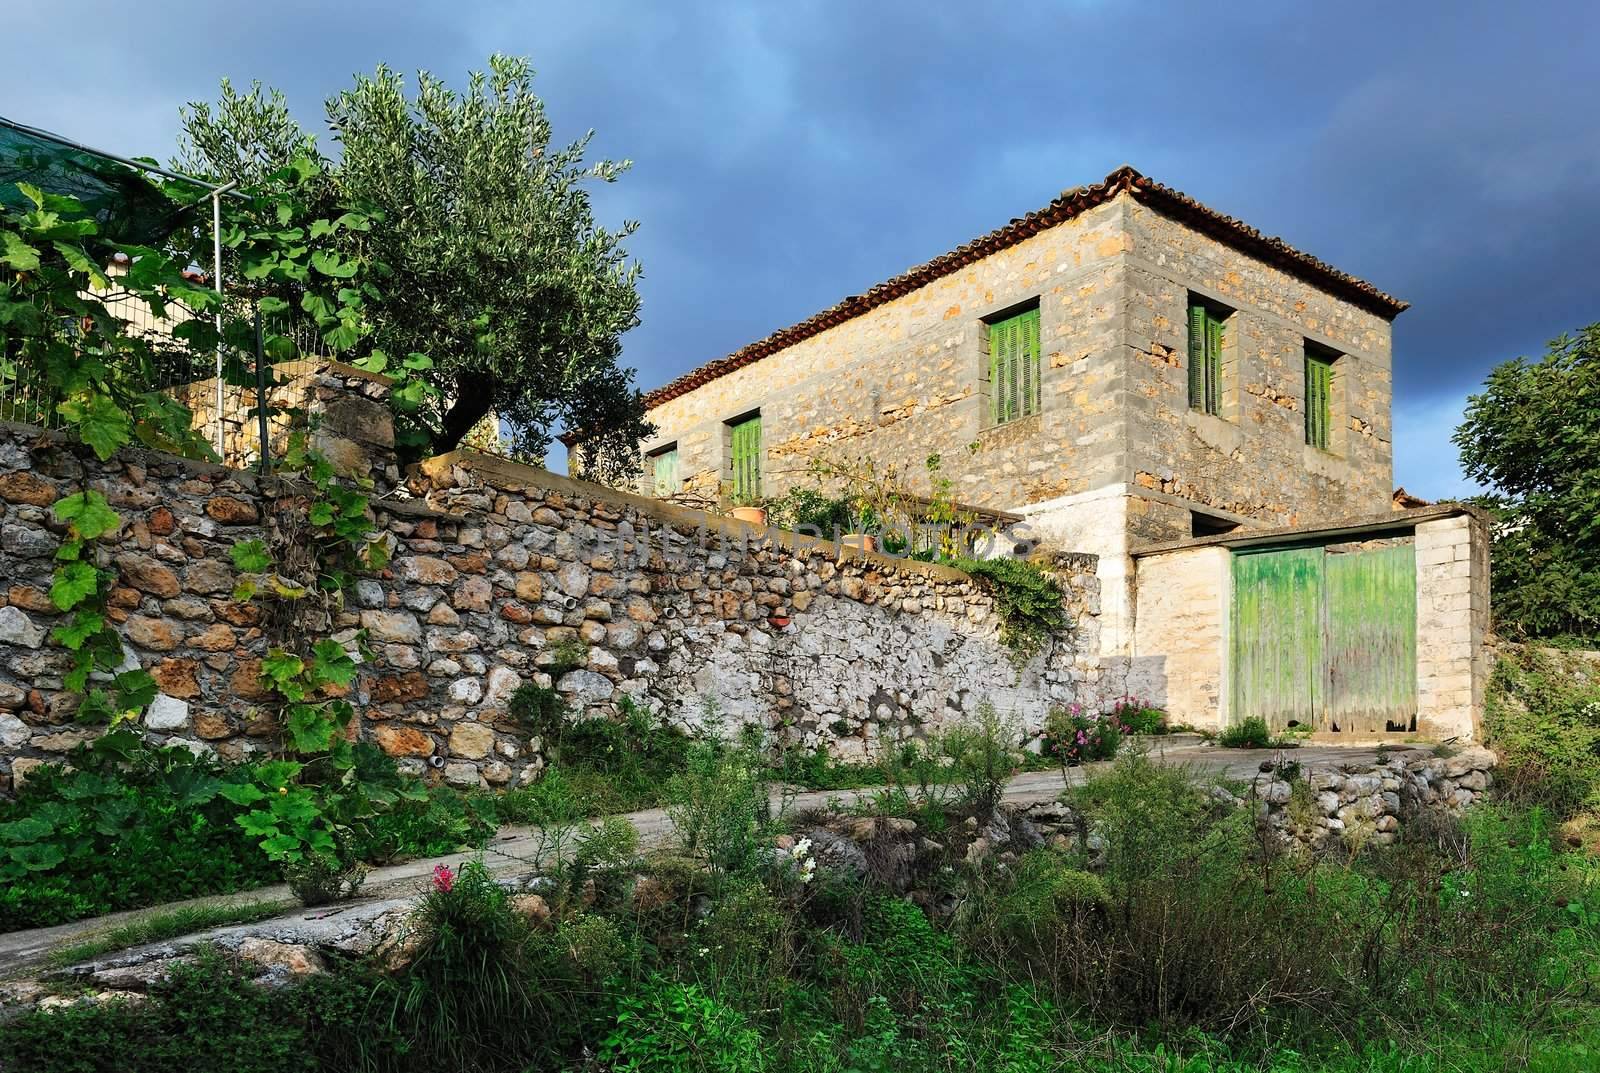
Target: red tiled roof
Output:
[(1070, 204)]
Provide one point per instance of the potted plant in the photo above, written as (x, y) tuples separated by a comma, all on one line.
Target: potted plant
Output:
[(749, 508), (863, 521)]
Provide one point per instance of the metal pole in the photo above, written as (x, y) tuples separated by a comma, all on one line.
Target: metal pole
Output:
[(216, 279), (261, 390)]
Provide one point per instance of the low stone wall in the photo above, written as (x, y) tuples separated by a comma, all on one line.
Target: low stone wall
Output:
[(1356, 805), (499, 573)]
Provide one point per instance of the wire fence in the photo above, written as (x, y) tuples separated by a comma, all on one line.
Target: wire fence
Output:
[(243, 415)]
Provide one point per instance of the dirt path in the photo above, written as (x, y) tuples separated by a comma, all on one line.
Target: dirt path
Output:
[(513, 852)]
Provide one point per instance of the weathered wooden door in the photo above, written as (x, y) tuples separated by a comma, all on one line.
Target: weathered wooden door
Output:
[(1326, 638)]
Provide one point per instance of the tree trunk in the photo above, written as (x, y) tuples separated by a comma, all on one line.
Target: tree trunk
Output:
[(472, 403)]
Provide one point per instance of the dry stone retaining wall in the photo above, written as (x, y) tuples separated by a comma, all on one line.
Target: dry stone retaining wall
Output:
[(1368, 803), (499, 573)]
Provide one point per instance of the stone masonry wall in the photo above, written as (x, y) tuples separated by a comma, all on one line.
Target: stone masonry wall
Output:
[(1366, 804), (909, 379), (497, 569), (1250, 461), (1453, 662)]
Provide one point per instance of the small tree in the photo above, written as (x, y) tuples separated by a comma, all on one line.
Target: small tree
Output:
[(499, 271), (1533, 437)]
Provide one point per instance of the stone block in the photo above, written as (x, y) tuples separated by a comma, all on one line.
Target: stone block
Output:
[(472, 741)]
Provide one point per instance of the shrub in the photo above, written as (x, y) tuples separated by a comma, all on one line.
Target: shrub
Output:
[(1021, 910), (719, 806), (1195, 931), (1073, 737), (984, 754), (127, 825), (468, 998), (1139, 717), (810, 510), (669, 1027), (1543, 716), (542, 710), (320, 880), (1247, 733), (210, 1016), (1028, 601)]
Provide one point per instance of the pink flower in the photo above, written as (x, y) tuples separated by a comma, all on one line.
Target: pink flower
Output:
[(443, 878)]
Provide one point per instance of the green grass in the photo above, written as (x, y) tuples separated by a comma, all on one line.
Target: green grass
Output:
[(164, 924)]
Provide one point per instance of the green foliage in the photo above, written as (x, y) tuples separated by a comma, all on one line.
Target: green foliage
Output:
[(467, 996), (313, 814), (130, 825), (1073, 736), (810, 511), (82, 588), (1459, 947), (1248, 733), (668, 1027), (542, 710), (211, 1016), (245, 136), (1533, 437), (1027, 599), (984, 753), (1139, 717), (127, 825), (1543, 716), (306, 814), (719, 806), (482, 217)]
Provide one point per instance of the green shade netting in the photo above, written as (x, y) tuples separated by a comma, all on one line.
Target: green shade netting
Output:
[(128, 207)]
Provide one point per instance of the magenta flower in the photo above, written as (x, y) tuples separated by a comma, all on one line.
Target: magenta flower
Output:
[(443, 878)]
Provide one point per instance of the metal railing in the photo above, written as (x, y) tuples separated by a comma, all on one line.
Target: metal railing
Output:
[(239, 415)]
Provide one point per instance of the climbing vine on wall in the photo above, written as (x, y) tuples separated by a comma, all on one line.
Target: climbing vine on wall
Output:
[(1027, 599), (98, 377)]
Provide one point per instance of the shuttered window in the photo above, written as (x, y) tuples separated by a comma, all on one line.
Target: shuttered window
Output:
[(1014, 366), (664, 465), (1319, 392), (1205, 358), (745, 449)]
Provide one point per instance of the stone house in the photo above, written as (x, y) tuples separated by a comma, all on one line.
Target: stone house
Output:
[(1125, 368), (1124, 346)]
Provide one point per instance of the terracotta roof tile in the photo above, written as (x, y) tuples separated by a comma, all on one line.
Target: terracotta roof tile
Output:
[(1070, 204)]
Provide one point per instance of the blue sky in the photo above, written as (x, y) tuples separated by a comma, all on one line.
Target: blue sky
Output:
[(786, 155)]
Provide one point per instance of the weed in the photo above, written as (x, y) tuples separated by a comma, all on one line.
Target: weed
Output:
[(158, 926)]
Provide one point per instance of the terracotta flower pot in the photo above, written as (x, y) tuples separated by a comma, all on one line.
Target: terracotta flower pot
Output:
[(753, 515), (864, 541)]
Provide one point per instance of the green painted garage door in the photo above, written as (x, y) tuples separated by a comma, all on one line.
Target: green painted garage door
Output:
[(1326, 638)]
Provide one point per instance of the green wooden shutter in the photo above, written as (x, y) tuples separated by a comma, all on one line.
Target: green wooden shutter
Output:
[(1319, 390), (1014, 366), (1029, 360), (1213, 363), (666, 472), (746, 451), (1002, 369), (1197, 357)]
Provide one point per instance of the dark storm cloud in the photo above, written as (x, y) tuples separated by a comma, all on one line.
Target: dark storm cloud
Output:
[(789, 154)]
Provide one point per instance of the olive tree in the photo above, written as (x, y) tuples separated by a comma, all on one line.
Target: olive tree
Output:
[(498, 270)]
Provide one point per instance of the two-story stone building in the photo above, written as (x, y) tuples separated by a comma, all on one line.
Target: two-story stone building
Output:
[(1128, 367)]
